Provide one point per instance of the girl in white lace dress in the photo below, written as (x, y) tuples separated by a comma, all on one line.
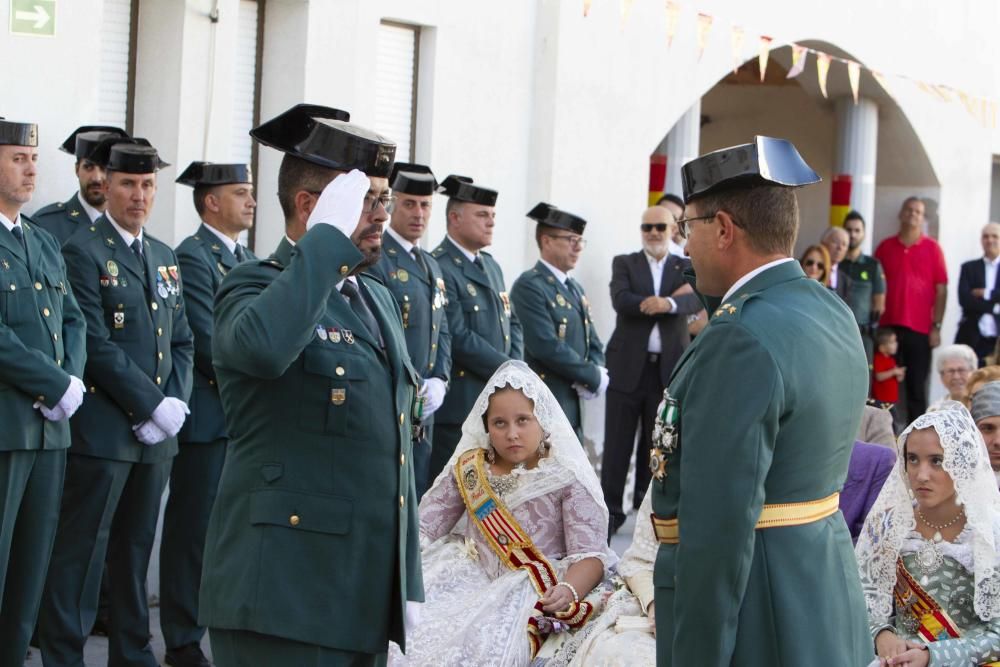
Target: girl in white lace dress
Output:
[(481, 608), (928, 550)]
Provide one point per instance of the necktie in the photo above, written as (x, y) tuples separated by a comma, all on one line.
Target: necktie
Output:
[(415, 251), (240, 256), (19, 235), (478, 261), (361, 309), (137, 249), (574, 292)]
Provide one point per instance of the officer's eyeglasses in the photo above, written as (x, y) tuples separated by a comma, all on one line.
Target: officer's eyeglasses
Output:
[(575, 241), (684, 224), (371, 202)]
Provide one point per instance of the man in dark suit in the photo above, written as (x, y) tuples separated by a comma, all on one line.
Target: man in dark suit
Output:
[(417, 284), (42, 352), (485, 330), (980, 299), (312, 551), (138, 374), (223, 198), (63, 219), (652, 301)]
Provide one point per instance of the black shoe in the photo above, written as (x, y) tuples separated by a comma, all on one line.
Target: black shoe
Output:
[(614, 523), (189, 655)]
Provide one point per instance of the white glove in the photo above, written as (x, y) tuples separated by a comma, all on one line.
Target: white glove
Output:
[(605, 379), (169, 415), (588, 395), (433, 392), (341, 202), (414, 612), (148, 433), (71, 400)]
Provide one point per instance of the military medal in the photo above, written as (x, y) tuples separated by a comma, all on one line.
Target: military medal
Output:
[(119, 319), (321, 332), (348, 336), (338, 396), (222, 269), (161, 289), (112, 268), (560, 300), (105, 281), (4, 263), (471, 289), (562, 331), (664, 435), (334, 335), (403, 275), (506, 303), (116, 281)]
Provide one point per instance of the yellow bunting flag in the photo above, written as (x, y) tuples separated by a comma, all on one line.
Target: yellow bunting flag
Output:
[(763, 52), (736, 40), (881, 80), (854, 74), (673, 15), (822, 69), (944, 92), (704, 27), (799, 56), (586, 7)]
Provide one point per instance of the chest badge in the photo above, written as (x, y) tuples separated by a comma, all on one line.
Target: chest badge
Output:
[(402, 275), (112, 268), (321, 332), (119, 320), (471, 289), (561, 300), (664, 435)]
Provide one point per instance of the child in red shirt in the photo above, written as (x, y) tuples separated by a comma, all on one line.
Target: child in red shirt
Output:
[(886, 374)]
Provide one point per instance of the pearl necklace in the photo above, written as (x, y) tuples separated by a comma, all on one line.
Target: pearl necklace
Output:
[(929, 557)]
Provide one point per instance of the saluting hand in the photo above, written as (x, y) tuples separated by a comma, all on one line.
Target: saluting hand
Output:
[(340, 203)]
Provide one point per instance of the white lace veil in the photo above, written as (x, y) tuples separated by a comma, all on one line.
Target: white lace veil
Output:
[(566, 460), (891, 519)]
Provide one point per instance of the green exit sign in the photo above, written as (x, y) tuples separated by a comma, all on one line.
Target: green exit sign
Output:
[(33, 17)]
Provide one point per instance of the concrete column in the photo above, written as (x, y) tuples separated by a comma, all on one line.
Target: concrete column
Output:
[(682, 145), (184, 97), (857, 149)]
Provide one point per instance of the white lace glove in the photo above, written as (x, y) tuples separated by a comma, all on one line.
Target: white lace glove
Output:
[(169, 415), (414, 612), (433, 392), (341, 202), (71, 400), (148, 433)]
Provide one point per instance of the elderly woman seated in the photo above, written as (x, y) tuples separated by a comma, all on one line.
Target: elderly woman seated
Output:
[(977, 379), (955, 363)]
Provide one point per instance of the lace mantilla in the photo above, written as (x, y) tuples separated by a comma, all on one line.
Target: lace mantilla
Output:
[(891, 522)]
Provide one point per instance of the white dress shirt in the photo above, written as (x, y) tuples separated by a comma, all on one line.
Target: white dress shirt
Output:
[(560, 276), (750, 276), (5, 221), (126, 235), (228, 242), (655, 345), (407, 246), (91, 212), (470, 255), (988, 321)]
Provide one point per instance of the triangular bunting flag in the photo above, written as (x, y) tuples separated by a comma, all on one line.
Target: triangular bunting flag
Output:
[(704, 27), (799, 56), (736, 41), (763, 53), (673, 14), (822, 69), (586, 7), (881, 80), (626, 7), (854, 74)]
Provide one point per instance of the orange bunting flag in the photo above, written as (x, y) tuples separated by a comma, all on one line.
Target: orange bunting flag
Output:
[(854, 74), (736, 40), (704, 27), (822, 69), (944, 92), (673, 14), (586, 7), (799, 56), (763, 52), (881, 80)]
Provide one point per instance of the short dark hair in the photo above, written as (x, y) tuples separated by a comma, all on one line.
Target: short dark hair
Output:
[(883, 334), (296, 174), (909, 199), (200, 192), (768, 214), (543, 230), (672, 198), (854, 215), (448, 208)]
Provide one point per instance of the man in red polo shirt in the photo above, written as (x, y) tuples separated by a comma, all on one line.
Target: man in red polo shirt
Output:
[(917, 286)]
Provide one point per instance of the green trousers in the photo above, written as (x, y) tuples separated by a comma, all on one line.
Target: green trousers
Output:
[(239, 648), (31, 483), (194, 482)]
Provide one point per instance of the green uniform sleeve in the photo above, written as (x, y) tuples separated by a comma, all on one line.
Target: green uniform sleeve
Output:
[(442, 362), (541, 340), (181, 351), (74, 329), (198, 300), (725, 459), (29, 369), (263, 322), (107, 364), (516, 335)]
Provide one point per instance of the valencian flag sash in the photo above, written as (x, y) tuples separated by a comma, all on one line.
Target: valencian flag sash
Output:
[(921, 612), (513, 546)]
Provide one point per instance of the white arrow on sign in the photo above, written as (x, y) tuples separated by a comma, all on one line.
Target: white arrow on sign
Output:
[(39, 16)]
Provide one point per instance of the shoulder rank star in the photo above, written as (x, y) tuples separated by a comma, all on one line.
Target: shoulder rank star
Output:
[(664, 435)]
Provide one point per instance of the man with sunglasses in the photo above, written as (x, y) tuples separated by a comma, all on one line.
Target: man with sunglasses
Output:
[(749, 452), (312, 551), (560, 341), (652, 303)]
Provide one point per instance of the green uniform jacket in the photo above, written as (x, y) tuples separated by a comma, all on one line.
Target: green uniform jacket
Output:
[(139, 345), (204, 261), (42, 334), (770, 396), (421, 302), (560, 340), (63, 219), (485, 331), (314, 534)]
